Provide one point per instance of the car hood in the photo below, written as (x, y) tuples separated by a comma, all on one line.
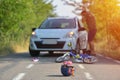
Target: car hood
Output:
[(52, 33)]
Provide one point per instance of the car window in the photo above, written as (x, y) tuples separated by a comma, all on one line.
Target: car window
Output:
[(58, 24)]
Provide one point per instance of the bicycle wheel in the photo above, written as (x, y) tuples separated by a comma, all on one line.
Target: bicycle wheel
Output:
[(61, 59)]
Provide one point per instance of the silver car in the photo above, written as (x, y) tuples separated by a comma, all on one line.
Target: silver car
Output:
[(58, 34)]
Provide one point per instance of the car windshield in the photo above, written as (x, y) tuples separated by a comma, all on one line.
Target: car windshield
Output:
[(58, 24)]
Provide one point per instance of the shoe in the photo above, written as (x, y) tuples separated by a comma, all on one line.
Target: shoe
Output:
[(35, 59)]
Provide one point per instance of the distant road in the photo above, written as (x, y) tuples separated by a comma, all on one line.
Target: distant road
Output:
[(21, 67)]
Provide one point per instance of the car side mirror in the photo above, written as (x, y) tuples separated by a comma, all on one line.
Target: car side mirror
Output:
[(33, 29), (81, 29)]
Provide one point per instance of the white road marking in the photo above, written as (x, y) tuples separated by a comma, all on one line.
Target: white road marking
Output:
[(108, 58), (99, 55), (81, 66), (30, 66), (88, 76), (19, 76), (117, 61), (113, 60)]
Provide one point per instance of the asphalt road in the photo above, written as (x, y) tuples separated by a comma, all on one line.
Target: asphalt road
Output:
[(21, 67)]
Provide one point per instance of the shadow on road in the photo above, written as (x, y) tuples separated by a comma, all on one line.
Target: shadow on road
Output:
[(15, 57), (46, 58), (55, 76)]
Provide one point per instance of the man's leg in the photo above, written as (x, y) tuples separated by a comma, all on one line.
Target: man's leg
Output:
[(91, 36), (91, 46)]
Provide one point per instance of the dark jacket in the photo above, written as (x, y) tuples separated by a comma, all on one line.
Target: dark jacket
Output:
[(90, 20)]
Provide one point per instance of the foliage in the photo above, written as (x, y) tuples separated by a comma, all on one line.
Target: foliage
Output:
[(114, 28), (107, 17), (107, 14), (17, 17)]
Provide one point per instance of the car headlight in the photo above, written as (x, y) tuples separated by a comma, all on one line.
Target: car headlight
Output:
[(34, 35), (69, 35)]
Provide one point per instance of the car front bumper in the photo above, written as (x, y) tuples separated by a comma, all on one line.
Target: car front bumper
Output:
[(59, 45)]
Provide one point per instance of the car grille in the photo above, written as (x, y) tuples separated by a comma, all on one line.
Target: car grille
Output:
[(59, 44)]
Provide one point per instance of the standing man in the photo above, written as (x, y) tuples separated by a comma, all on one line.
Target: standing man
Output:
[(89, 19)]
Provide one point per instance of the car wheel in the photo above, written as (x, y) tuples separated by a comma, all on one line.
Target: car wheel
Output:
[(33, 53), (77, 49), (50, 52)]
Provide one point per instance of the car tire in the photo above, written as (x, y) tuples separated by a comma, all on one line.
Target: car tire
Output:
[(51, 52), (77, 49), (33, 53)]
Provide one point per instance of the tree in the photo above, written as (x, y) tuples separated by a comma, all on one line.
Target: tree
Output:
[(17, 17), (105, 12)]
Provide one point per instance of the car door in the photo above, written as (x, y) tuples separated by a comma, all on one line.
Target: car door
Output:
[(82, 35)]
